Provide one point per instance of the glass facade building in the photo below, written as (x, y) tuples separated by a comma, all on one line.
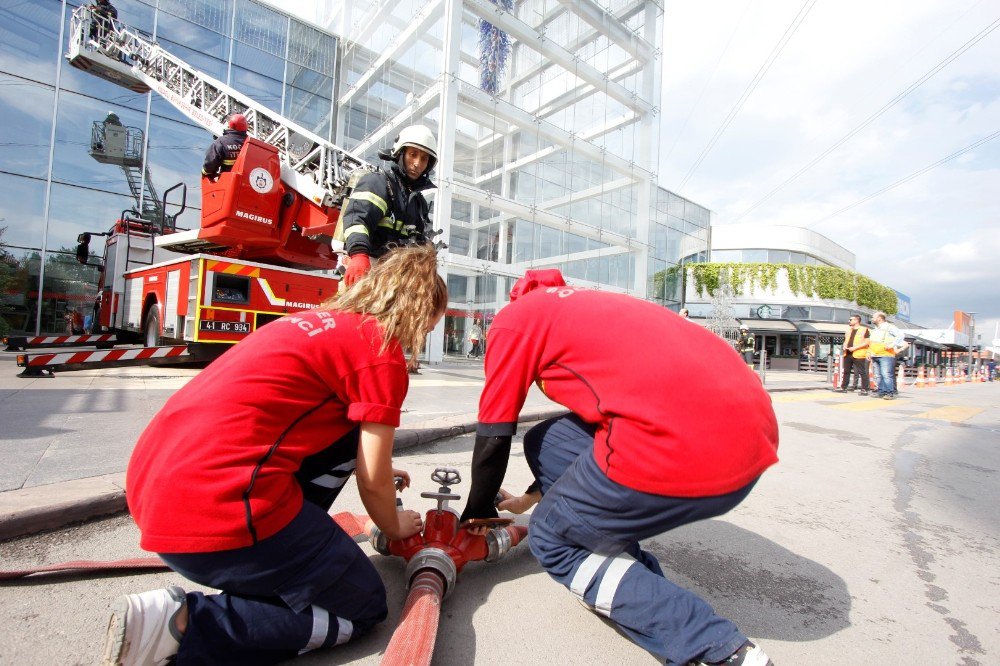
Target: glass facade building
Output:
[(53, 188), (545, 111), (548, 129)]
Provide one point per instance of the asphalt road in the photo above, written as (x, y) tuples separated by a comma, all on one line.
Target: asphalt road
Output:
[(874, 540)]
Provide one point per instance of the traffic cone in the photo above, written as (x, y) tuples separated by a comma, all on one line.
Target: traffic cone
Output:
[(872, 386), (900, 378), (960, 376), (836, 373), (920, 378), (932, 379), (948, 377)]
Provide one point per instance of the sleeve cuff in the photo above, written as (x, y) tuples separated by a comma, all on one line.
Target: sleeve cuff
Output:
[(372, 413), (497, 429)]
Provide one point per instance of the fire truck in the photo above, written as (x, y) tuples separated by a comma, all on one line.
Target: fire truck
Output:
[(262, 249)]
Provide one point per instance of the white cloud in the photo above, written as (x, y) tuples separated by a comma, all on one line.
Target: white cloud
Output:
[(932, 237)]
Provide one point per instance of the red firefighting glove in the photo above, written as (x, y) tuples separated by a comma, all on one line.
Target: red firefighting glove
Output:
[(357, 267)]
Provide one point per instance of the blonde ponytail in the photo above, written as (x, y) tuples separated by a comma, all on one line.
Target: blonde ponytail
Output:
[(403, 293)]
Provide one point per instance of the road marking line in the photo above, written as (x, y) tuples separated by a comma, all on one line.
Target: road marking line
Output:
[(810, 395), (442, 382), (867, 405), (954, 413)]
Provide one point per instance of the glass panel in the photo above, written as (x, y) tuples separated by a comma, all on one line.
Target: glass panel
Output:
[(261, 27), (78, 142), (308, 79), (819, 313), (312, 48), (194, 37), (755, 256), (727, 255), (258, 61), (778, 256), (26, 109), (309, 110), (212, 14), (29, 35), (261, 89), (214, 66)]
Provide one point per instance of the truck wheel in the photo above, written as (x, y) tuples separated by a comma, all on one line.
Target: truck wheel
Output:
[(151, 330)]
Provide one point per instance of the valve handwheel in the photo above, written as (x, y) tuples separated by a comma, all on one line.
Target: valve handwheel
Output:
[(446, 476)]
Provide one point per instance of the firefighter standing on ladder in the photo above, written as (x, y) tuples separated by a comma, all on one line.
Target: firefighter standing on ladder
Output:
[(388, 207), (222, 154)]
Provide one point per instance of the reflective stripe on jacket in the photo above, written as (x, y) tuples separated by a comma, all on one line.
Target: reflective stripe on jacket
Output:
[(221, 155), (884, 340), (382, 210)]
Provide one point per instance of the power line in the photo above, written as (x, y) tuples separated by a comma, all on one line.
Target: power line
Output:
[(875, 116), (709, 80), (775, 52), (910, 177)]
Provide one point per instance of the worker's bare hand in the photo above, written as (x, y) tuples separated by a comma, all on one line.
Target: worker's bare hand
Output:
[(410, 523), (402, 474), (518, 504)]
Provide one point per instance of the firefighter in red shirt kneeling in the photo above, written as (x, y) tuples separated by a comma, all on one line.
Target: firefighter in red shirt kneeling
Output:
[(232, 481), (652, 442)]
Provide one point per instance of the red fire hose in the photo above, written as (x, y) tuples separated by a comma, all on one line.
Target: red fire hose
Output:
[(434, 560), (349, 522)]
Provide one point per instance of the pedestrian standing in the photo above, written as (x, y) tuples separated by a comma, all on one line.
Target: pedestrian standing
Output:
[(746, 344), (885, 342), (641, 453), (475, 336), (232, 481), (855, 357)]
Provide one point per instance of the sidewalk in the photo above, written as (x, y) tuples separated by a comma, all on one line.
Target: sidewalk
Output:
[(66, 440)]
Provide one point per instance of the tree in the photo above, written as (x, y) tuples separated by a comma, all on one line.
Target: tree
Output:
[(723, 321), (7, 268)]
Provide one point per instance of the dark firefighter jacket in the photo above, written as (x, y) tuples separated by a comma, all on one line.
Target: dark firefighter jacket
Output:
[(384, 210), (746, 343), (222, 154)]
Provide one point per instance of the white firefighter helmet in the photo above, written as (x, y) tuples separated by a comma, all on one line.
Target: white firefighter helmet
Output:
[(417, 136)]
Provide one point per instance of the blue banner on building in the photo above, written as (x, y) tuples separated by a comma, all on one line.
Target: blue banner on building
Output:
[(902, 307)]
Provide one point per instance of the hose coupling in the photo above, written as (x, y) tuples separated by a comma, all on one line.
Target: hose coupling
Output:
[(498, 542), (436, 560)]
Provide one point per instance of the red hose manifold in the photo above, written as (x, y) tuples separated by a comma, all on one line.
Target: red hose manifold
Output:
[(434, 559)]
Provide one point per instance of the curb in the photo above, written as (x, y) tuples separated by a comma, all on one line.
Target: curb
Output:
[(52, 506)]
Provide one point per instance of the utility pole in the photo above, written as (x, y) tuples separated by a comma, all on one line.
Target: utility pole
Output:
[(972, 338)]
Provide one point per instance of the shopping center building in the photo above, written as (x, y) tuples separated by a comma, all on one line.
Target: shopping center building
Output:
[(546, 115), (793, 287)]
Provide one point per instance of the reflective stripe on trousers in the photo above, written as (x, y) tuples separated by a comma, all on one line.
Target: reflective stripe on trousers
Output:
[(585, 533)]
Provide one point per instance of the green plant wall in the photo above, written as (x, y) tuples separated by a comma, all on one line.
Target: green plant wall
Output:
[(826, 282)]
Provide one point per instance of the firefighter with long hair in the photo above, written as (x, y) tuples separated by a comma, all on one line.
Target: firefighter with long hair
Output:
[(232, 481)]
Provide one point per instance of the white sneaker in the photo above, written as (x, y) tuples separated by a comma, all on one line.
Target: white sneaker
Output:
[(142, 630), (748, 655)]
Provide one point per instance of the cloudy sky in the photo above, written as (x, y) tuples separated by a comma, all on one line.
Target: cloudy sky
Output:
[(830, 115)]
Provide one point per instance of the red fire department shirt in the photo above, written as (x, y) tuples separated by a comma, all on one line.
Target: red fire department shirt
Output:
[(678, 411), (246, 422)]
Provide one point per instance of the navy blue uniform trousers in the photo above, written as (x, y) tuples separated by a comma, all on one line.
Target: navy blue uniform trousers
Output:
[(307, 586), (586, 530)]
